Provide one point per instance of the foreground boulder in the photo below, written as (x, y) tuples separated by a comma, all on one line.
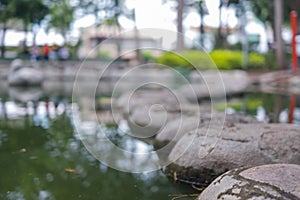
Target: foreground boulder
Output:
[(202, 155), (176, 129), (267, 182)]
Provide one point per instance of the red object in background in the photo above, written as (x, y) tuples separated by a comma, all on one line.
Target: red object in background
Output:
[(293, 18), (292, 108), (46, 50)]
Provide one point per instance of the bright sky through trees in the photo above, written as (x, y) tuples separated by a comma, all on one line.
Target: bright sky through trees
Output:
[(149, 14)]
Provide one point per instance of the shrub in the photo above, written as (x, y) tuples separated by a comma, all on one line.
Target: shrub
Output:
[(222, 59), (104, 55), (172, 60), (199, 59), (256, 61), (270, 59), (147, 56), (226, 59), (187, 59)]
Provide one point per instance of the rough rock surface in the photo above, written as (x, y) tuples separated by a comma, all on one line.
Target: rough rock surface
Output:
[(147, 97), (216, 149), (212, 84), (148, 120), (167, 138), (267, 182), (177, 128), (148, 110)]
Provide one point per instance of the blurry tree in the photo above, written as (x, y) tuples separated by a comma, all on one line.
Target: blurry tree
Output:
[(293, 5), (61, 16), (101, 9), (180, 40), (202, 10), (6, 12), (30, 12), (265, 11), (184, 7), (223, 31), (106, 12)]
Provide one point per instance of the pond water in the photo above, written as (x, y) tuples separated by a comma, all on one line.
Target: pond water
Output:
[(266, 107), (42, 156)]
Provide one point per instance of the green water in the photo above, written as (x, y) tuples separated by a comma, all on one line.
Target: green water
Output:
[(41, 158)]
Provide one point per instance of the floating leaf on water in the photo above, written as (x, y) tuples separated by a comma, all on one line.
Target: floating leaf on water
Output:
[(70, 170), (23, 150)]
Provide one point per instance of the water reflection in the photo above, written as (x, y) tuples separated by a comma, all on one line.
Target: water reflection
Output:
[(269, 108), (115, 149), (40, 111), (42, 156)]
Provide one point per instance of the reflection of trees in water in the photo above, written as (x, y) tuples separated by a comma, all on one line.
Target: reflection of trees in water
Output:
[(113, 147), (271, 108), (36, 112), (38, 163)]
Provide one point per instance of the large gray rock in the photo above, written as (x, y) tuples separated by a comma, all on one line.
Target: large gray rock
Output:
[(215, 84), (149, 120), (147, 110), (149, 96), (21, 75), (267, 182), (176, 129), (167, 137), (202, 155)]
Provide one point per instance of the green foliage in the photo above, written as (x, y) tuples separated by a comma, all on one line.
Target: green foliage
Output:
[(147, 56), (199, 59), (6, 10), (222, 59), (172, 60), (270, 60), (61, 16), (264, 10), (110, 21), (250, 104), (30, 11), (256, 61), (104, 55), (235, 105), (187, 59), (105, 12), (226, 59)]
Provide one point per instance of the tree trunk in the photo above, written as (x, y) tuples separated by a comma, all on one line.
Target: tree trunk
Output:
[(116, 16), (180, 41), (201, 10), (137, 40), (245, 42), (220, 20), (3, 40), (278, 30), (64, 35), (25, 24), (34, 33)]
